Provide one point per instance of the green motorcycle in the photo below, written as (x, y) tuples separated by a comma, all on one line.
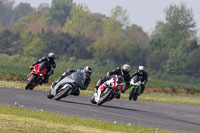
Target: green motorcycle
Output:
[(135, 88)]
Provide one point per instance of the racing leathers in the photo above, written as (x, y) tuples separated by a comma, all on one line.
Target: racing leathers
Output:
[(69, 72), (117, 71), (144, 78), (49, 64)]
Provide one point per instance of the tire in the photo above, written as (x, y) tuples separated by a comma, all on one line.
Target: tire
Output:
[(131, 93), (106, 98), (135, 97), (93, 101), (62, 92), (31, 82)]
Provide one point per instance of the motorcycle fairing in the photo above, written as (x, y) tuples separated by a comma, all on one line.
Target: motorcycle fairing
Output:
[(76, 77)]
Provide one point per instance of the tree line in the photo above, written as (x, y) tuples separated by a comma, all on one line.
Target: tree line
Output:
[(72, 30)]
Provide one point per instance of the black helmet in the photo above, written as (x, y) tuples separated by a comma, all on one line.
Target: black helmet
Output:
[(125, 69), (119, 79), (87, 71), (51, 56)]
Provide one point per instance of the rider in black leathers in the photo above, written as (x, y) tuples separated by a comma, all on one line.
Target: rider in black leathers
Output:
[(50, 65), (87, 71), (143, 75), (124, 72)]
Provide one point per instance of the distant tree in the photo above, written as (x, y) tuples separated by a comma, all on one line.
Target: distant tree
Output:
[(60, 10), (194, 45), (106, 46), (43, 6), (120, 14), (177, 61), (175, 34), (157, 59), (9, 42), (179, 25), (83, 22), (65, 44), (6, 13), (158, 42), (193, 63), (36, 22), (112, 29), (136, 34), (22, 10), (34, 48)]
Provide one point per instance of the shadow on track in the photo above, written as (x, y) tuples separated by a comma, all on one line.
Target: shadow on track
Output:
[(106, 106)]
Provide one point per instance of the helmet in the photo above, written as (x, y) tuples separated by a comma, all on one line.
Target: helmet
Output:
[(51, 56), (141, 69), (125, 69), (119, 79), (87, 71)]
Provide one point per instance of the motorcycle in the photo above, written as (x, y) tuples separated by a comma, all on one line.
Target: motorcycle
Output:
[(108, 90), (68, 85), (36, 76), (135, 88)]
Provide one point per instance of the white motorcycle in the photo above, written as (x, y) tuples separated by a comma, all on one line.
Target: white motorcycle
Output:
[(68, 85)]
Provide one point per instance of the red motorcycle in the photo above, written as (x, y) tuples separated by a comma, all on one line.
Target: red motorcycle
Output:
[(36, 76), (108, 90)]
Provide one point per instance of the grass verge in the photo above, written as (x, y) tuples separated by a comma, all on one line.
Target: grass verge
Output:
[(172, 98), (23, 120)]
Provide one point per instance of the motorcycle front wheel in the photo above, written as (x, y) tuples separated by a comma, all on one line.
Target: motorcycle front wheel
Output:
[(105, 98), (135, 97), (131, 93), (31, 82), (93, 100), (63, 92)]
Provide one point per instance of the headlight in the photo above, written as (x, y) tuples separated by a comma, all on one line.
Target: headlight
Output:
[(41, 74)]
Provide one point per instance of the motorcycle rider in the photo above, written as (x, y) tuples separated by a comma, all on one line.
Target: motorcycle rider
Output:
[(116, 83), (50, 65), (87, 73), (124, 72), (143, 75)]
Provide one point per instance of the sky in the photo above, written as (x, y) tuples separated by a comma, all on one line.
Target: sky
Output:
[(144, 13)]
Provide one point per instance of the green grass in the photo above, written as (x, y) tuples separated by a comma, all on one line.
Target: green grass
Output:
[(28, 121), (174, 98), (173, 85)]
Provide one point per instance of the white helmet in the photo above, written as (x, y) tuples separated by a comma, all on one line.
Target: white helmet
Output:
[(87, 71), (141, 69), (51, 56)]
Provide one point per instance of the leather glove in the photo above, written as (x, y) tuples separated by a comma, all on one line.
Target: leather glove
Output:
[(108, 73), (143, 83), (31, 67)]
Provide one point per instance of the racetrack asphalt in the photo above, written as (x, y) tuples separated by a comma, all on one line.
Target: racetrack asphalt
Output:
[(173, 117)]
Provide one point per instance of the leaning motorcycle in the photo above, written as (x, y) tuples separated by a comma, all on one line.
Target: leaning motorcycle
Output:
[(36, 76), (107, 91), (68, 85), (135, 88)]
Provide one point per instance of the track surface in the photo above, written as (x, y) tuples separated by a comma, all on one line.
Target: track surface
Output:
[(181, 118)]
